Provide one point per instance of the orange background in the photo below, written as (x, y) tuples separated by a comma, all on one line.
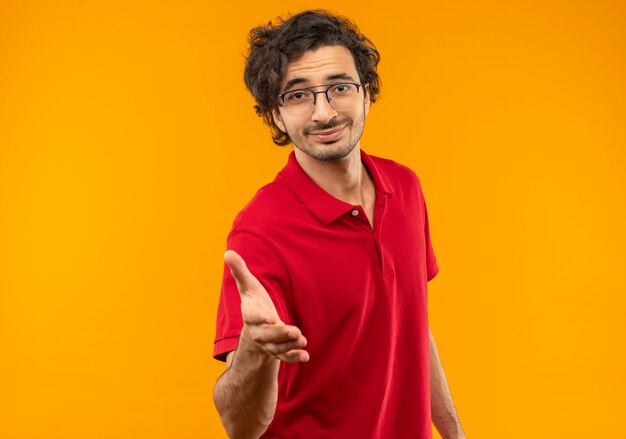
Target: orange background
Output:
[(128, 144)]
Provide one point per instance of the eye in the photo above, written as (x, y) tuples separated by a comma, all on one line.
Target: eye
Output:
[(297, 96), (342, 88)]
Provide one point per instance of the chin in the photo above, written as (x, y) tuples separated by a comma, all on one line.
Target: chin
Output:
[(329, 152)]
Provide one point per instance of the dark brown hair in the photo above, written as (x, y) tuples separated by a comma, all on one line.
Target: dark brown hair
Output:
[(273, 46)]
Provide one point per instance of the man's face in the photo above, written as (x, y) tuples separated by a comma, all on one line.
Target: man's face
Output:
[(321, 131)]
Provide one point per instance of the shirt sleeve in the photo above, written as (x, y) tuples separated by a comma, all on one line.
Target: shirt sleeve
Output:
[(268, 268), (431, 261)]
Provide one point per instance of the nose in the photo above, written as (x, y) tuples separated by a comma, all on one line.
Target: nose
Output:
[(322, 110)]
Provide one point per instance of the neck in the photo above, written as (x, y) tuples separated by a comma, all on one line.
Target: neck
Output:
[(344, 179)]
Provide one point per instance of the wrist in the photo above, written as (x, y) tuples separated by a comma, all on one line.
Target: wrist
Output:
[(456, 435)]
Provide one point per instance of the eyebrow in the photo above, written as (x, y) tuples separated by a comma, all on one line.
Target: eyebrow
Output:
[(300, 80)]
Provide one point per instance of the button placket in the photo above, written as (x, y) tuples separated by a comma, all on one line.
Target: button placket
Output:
[(381, 205)]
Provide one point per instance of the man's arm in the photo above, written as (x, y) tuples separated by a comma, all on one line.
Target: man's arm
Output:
[(246, 394), (444, 413)]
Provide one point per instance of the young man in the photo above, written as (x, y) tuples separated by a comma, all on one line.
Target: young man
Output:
[(324, 327)]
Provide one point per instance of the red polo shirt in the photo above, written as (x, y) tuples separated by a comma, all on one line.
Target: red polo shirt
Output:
[(358, 294)]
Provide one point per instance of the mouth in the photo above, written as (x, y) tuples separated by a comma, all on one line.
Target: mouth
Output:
[(328, 135)]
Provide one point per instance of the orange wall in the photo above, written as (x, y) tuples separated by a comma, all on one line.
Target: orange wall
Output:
[(128, 143)]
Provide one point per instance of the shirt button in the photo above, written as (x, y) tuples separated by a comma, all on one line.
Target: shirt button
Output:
[(355, 212)]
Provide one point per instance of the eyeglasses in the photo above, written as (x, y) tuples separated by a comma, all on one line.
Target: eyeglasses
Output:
[(341, 96)]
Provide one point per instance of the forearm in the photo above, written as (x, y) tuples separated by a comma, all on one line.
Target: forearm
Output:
[(246, 394), (443, 411)]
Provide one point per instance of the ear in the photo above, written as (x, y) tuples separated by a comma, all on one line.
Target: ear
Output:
[(366, 99), (278, 120)]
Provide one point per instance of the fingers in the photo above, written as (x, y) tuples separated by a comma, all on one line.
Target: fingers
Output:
[(246, 281), (295, 356), (284, 342), (277, 333), (277, 349)]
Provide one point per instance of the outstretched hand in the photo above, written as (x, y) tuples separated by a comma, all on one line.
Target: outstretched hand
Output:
[(262, 323)]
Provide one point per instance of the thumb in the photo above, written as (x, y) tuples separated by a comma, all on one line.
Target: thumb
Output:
[(246, 282)]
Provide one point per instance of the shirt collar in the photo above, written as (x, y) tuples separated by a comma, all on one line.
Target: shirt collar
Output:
[(322, 204)]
